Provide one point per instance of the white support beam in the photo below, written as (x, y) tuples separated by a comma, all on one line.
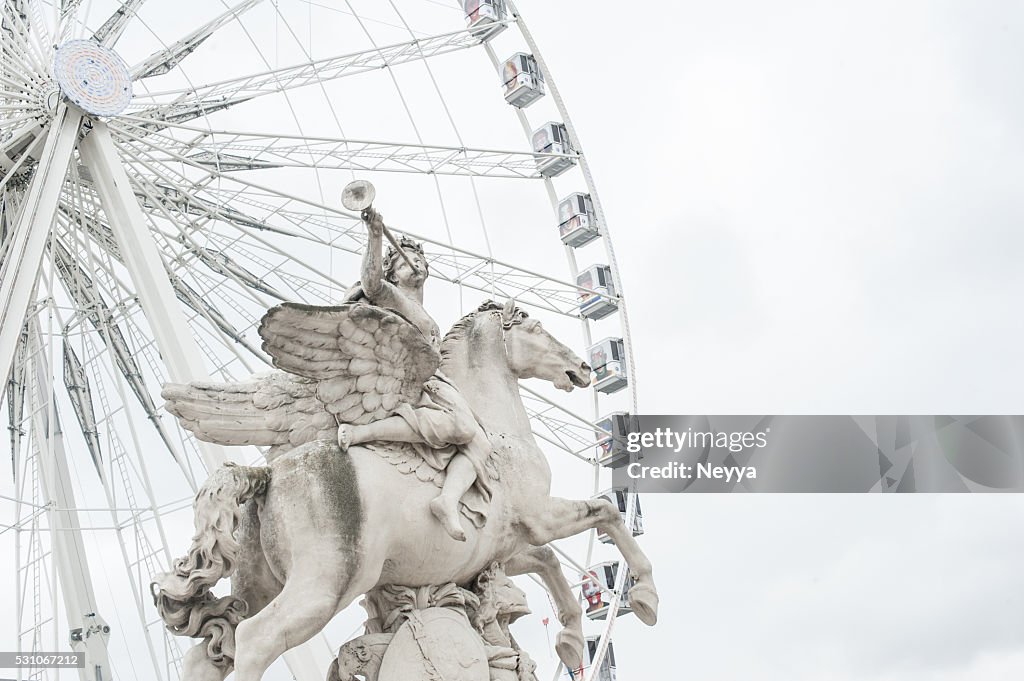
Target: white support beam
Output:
[(235, 150), (24, 256), (170, 328), (191, 102), (113, 27), (90, 631), (141, 257)]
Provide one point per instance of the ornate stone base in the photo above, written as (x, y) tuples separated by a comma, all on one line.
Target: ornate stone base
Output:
[(439, 633)]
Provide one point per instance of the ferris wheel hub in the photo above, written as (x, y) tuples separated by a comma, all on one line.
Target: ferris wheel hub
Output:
[(93, 77)]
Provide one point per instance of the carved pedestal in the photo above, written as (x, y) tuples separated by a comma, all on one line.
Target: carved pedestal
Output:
[(439, 633)]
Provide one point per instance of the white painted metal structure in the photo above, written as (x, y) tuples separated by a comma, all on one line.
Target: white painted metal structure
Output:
[(142, 244)]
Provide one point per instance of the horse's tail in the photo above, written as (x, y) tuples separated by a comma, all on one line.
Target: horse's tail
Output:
[(182, 596)]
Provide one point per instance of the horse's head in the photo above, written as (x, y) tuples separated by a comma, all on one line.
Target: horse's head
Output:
[(505, 338), (535, 353)]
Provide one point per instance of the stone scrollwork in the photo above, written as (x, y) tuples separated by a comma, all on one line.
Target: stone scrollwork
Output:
[(439, 633)]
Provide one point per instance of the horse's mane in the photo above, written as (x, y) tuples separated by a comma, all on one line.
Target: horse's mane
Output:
[(461, 328)]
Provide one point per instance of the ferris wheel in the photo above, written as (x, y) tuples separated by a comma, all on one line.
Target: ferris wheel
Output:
[(170, 171)]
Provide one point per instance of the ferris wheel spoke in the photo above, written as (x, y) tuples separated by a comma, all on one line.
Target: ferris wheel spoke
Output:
[(217, 260), (13, 79), (68, 16), (76, 383), (20, 57), (14, 392), (574, 433), (121, 466), (208, 311), (39, 27), (460, 266), (196, 198), (23, 38), (82, 289), (5, 224), (200, 303), (570, 437), (22, 263), (142, 259), (11, 68), (164, 60), (128, 344), (188, 103), (72, 563), (227, 151), (111, 30)]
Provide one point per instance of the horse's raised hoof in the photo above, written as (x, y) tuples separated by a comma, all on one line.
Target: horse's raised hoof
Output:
[(643, 599), (569, 646)]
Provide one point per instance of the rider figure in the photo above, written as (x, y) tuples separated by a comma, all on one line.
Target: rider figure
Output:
[(442, 417)]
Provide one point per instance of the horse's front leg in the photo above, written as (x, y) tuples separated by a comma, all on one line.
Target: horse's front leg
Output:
[(561, 518), (542, 560)]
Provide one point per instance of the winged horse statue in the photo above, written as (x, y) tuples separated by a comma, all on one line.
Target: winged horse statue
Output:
[(319, 526)]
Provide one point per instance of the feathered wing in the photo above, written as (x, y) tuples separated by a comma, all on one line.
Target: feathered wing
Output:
[(269, 409), (364, 359)]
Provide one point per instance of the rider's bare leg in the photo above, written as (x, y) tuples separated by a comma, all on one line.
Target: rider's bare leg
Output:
[(391, 429), (459, 477)]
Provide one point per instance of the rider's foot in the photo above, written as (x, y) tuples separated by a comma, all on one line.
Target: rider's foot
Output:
[(449, 517), (344, 436)]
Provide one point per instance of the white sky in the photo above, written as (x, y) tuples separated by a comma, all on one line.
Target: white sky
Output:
[(816, 208)]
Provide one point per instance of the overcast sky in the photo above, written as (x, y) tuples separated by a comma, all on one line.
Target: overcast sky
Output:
[(817, 209)]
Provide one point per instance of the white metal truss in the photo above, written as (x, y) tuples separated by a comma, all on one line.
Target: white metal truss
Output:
[(89, 631), (145, 267), (188, 103), (252, 207), (228, 151), (22, 261), (114, 26)]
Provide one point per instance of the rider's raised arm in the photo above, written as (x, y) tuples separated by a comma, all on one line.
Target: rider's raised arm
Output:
[(372, 278)]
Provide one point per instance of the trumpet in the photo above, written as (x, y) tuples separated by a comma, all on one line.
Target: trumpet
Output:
[(359, 195)]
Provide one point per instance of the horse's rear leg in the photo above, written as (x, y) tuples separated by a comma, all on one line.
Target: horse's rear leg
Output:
[(309, 600), (562, 518), (542, 561)]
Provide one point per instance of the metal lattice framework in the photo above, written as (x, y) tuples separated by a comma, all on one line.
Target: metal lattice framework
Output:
[(141, 241)]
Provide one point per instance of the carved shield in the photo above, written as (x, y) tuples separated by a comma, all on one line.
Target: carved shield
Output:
[(436, 644)]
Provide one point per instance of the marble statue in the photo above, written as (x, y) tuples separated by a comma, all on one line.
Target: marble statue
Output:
[(380, 435), (441, 418)]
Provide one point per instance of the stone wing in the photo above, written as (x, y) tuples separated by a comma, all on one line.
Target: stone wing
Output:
[(365, 360), (271, 409)]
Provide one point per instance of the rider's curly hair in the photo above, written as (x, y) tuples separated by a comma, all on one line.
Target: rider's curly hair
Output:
[(392, 257)]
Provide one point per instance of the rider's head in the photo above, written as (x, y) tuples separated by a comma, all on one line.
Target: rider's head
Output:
[(397, 270)]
